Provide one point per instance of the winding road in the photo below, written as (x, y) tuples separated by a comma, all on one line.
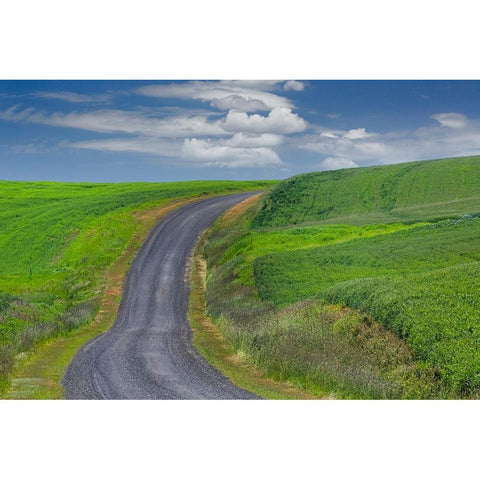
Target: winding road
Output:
[(148, 352)]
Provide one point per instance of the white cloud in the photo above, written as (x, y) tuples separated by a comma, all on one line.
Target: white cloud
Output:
[(344, 144), (222, 95), (358, 133), (233, 135), (250, 142), (73, 97), (241, 139), (206, 153), (255, 84), (375, 149), (255, 128), (293, 85), (280, 120), (335, 163), (108, 121), (237, 102), (149, 145), (461, 139), (452, 120), (198, 152), (328, 134), (345, 148)]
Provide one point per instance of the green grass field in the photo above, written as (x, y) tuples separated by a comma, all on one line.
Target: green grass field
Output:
[(398, 243), (358, 283), (328, 350), (415, 250), (395, 193), (57, 238)]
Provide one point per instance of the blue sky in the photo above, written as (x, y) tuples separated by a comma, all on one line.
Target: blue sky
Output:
[(112, 131)]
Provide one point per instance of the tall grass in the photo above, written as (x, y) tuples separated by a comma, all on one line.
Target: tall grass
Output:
[(422, 283), (399, 244), (437, 312), (329, 350)]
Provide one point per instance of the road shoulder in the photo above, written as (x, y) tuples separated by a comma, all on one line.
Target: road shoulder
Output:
[(38, 374), (208, 339)]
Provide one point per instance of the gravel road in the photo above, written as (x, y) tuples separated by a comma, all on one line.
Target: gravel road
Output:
[(148, 352)]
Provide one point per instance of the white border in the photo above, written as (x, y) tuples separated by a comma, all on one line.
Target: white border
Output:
[(218, 39), (248, 39), (239, 439)]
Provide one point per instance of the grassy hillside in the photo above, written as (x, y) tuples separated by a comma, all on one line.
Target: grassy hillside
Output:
[(422, 283), (255, 243), (57, 238), (436, 311), (394, 193), (289, 276), (398, 243), (328, 350)]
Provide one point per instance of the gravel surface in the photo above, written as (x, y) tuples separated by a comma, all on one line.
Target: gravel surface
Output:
[(148, 352)]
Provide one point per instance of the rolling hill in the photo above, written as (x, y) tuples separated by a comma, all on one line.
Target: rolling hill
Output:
[(394, 193), (397, 243)]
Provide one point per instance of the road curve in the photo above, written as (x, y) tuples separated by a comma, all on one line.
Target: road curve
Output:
[(148, 352)]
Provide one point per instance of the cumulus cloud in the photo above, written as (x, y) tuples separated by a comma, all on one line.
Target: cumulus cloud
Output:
[(456, 135), (328, 134), (237, 102), (355, 147), (73, 97), (245, 96), (355, 151), (236, 152), (354, 143), (231, 134), (358, 133), (206, 153), (452, 120), (335, 163), (241, 139), (280, 120), (173, 147), (190, 152), (237, 140), (293, 85)]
